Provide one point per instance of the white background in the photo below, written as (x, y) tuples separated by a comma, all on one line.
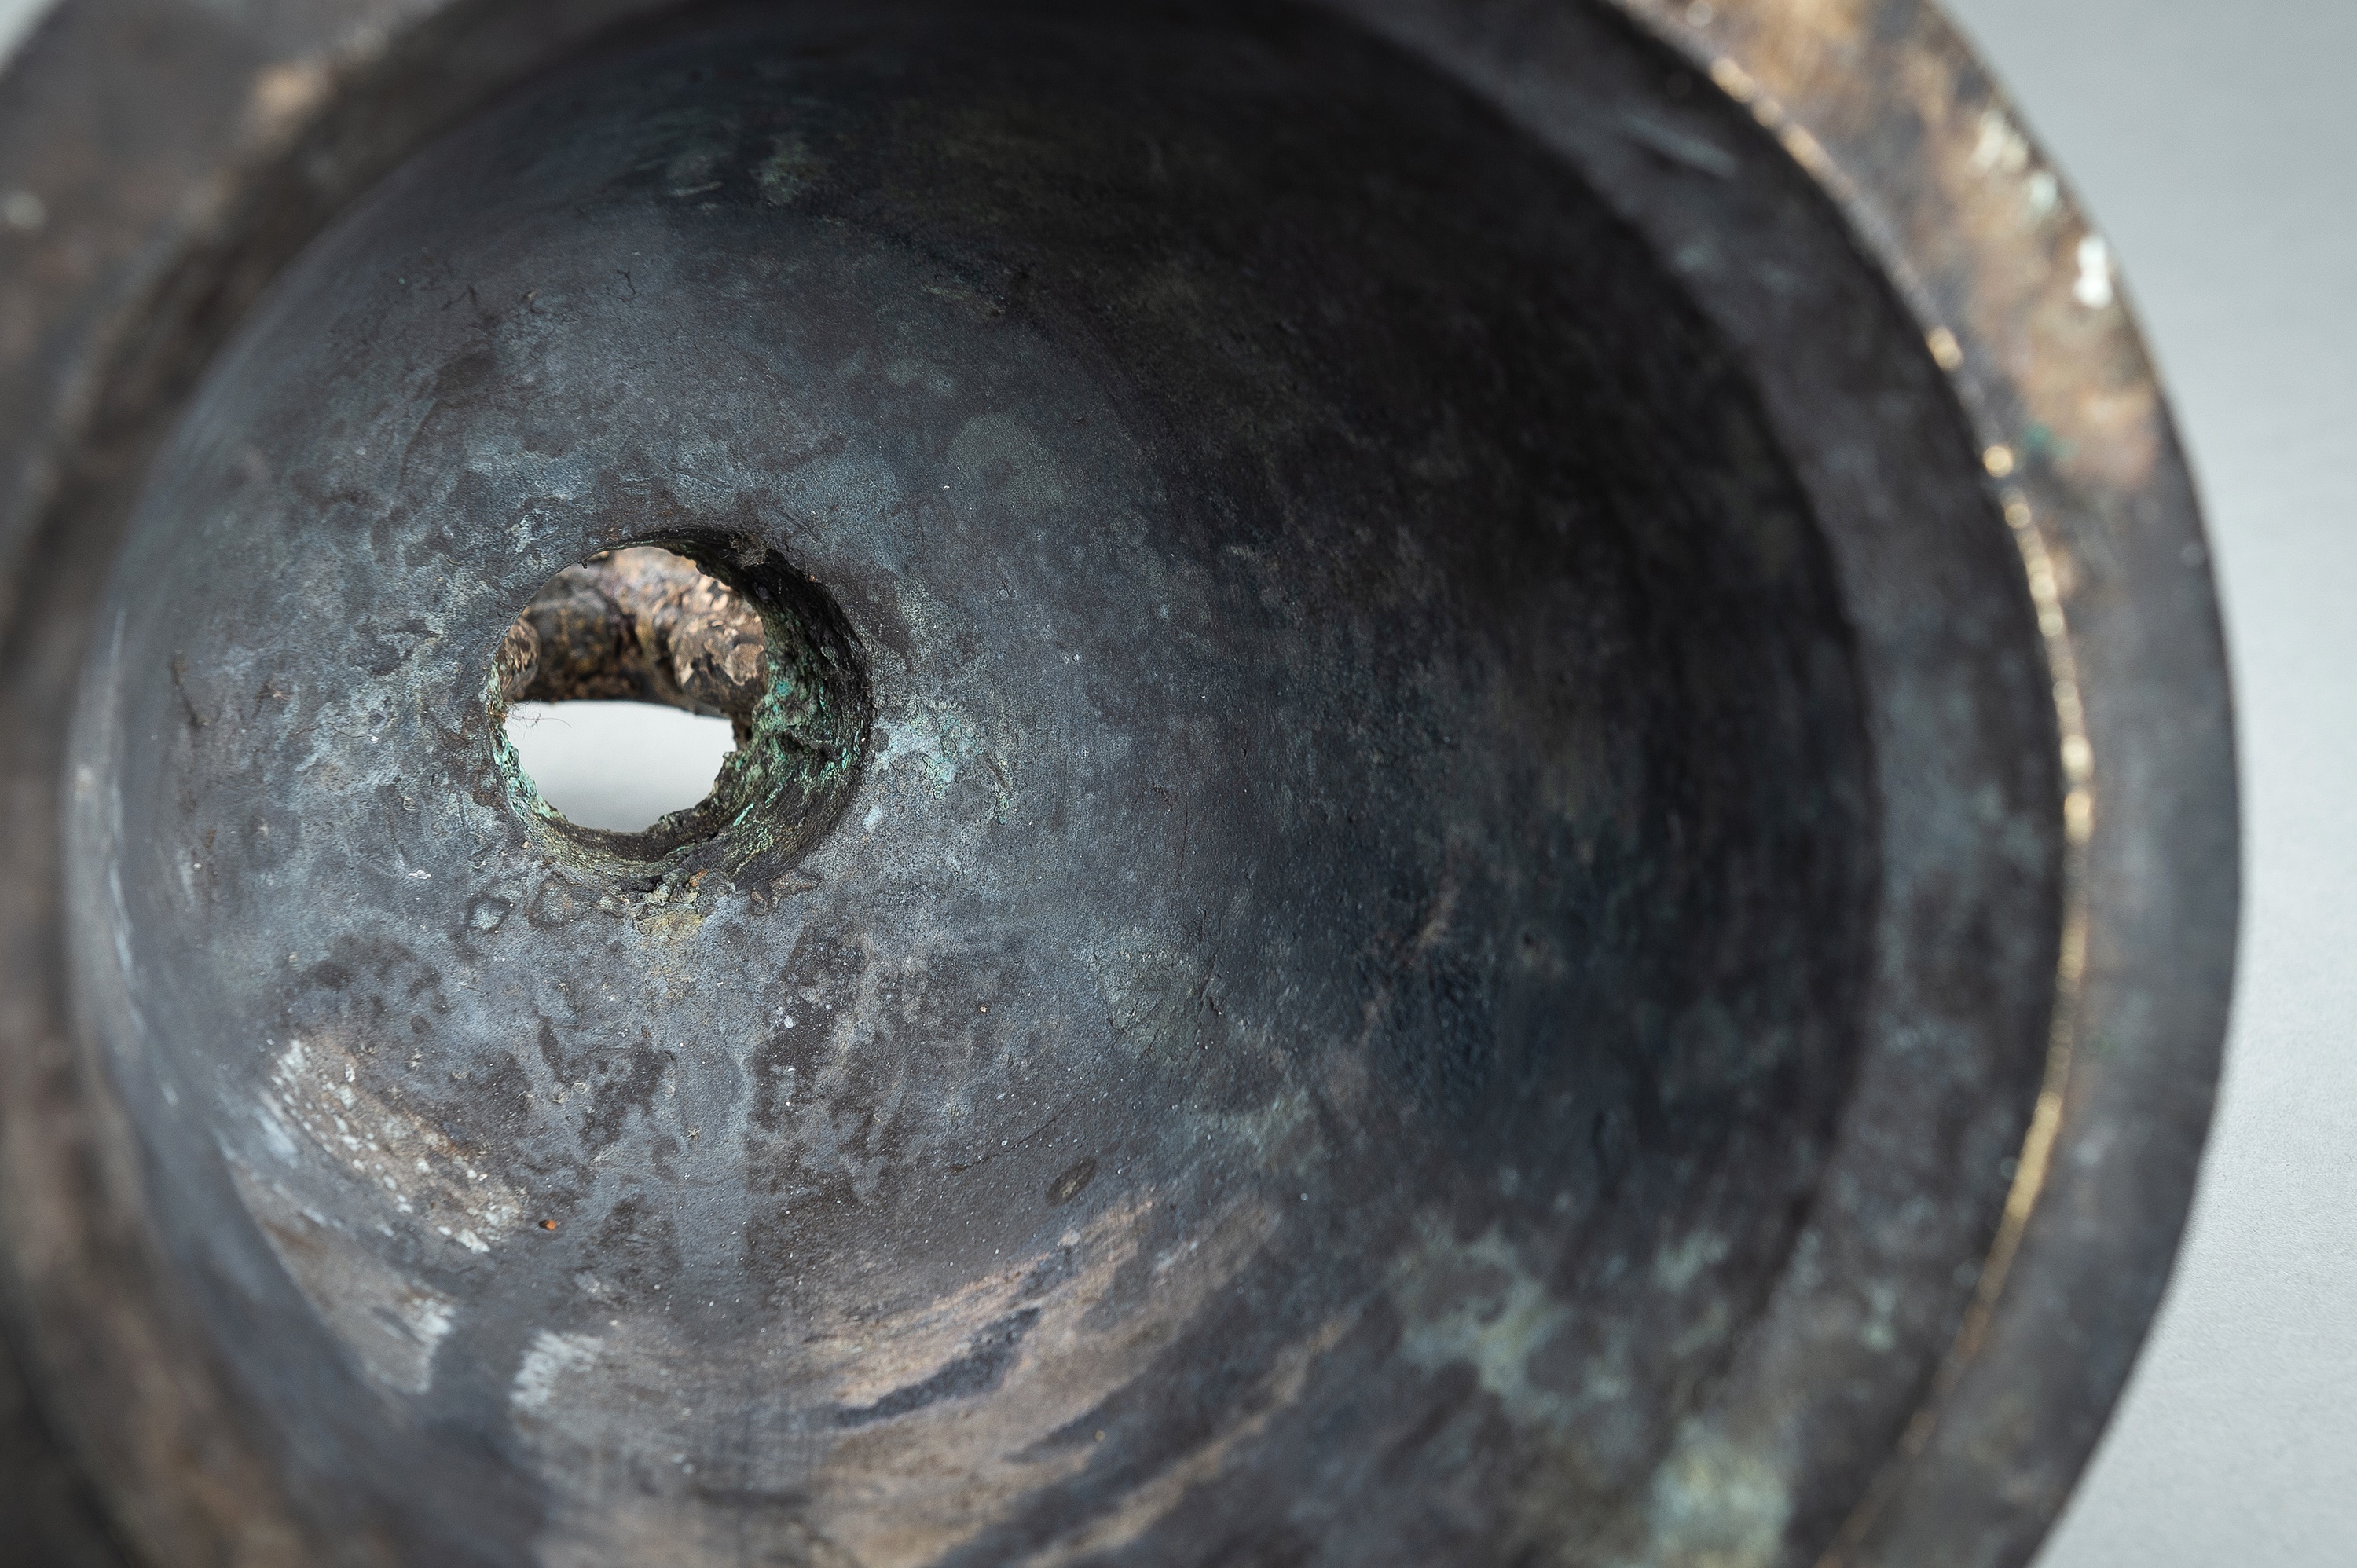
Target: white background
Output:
[(2217, 146)]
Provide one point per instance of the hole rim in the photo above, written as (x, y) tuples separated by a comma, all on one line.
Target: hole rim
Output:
[(798, 757)]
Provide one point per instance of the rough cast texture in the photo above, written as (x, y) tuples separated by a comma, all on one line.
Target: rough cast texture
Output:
[(639, 625), (1357, 705), (1334, 1176)]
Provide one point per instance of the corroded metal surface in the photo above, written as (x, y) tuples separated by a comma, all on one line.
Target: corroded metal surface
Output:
[(1464, 853), (639, 625)]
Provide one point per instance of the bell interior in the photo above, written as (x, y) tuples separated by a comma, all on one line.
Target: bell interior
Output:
[(1291, 997)]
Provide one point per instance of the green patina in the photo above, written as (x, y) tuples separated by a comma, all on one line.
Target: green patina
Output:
[(798, 756)]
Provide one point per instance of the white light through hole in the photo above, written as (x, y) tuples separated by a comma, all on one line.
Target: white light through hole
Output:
[(618, 766)]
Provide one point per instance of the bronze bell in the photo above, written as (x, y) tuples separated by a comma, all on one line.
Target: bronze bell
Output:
[(1483, 813)]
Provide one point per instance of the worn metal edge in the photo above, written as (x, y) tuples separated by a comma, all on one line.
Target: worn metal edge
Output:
[(2075, 438)]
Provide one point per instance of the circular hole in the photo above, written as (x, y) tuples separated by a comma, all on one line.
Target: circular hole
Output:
[(648, 704), (629, 680)]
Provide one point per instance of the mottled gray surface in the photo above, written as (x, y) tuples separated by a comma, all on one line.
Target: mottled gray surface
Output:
[(1951, 700), (1358, 715), (1315, 886)]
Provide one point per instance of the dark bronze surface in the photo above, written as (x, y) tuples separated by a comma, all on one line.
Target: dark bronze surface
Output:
[(1488, 814)]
